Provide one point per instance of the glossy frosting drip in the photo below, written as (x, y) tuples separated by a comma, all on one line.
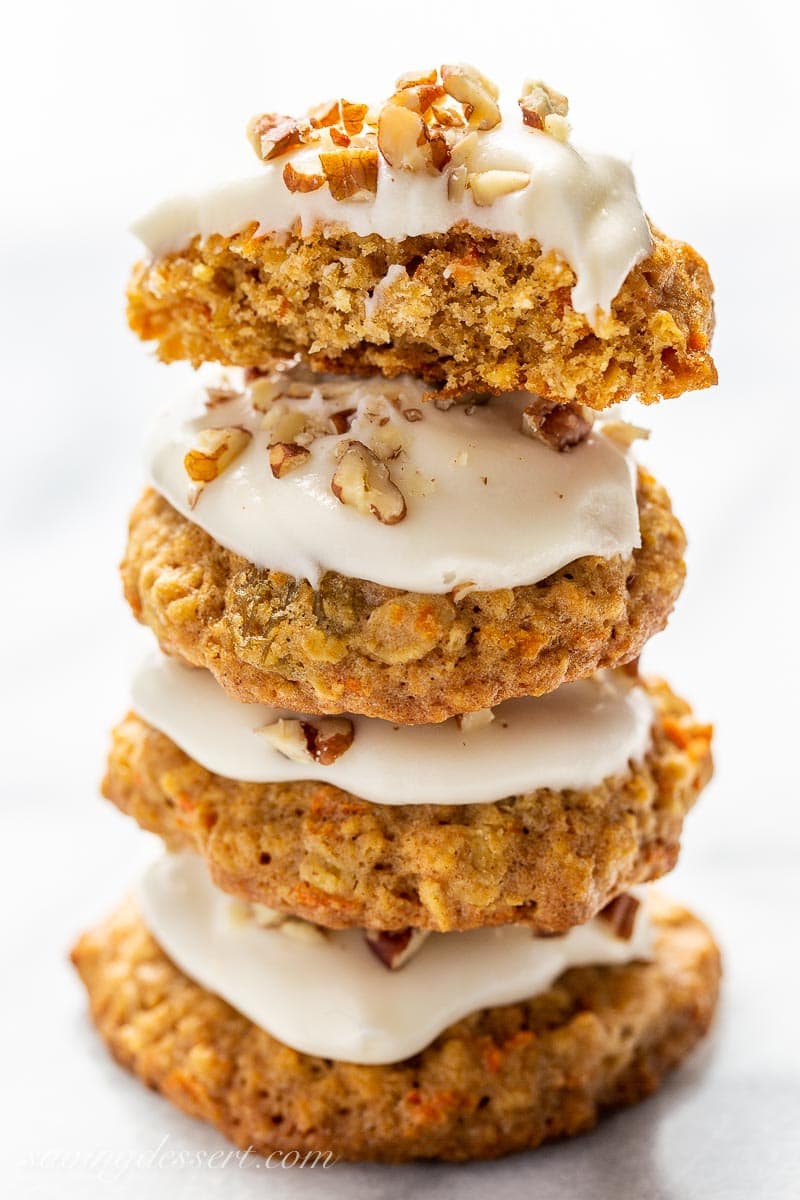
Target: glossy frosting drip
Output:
[(486, 506), (328, 995)]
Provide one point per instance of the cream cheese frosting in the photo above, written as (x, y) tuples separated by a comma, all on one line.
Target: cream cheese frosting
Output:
[(574, 737), (486, 506), (582, 206), (330, 996)]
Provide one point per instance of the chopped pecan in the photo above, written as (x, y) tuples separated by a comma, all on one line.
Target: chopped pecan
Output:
[(321, 116), (285, 457), (271, 135), (538, 101), (620, 914), (560, 426), (220, 395), (353, 116), (488, 186), (352, 173), (299, 181), (407, 144), (477, 94), (403, 138), (394, 947), (419, 98), (623, 433), (412, 79), (214, 451), (362, 481), (321, 741)]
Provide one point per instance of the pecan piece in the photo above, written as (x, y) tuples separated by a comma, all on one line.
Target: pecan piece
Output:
[(560, 426), (407, 144), (394, 947), (624, 433), (353, 116), (300, 181), (538, 101), (362, 481), (271, 135), (352, 173), (475, 92), (285, 457), (214, 451), (321, 741), (620, 914), (488, 186)]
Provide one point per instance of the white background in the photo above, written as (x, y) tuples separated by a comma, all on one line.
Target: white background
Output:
[(106, 107)]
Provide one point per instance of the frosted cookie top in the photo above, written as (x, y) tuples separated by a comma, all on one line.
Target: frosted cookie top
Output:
[(305, 473), (570, 739), (442, 150), (329, 993)]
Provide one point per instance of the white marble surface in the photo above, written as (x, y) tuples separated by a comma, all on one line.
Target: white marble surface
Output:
[(77, 391)]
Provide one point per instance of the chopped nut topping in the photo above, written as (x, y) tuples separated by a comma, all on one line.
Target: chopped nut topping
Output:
[(457, 184), (402, 138), (362, 481), (321, 741), (285, 457), (477, 93), (264, 390), (353, 116), (439, 150), (560, 426), (538, 102), (241, 912), (214, 451), (447, 116), (419, 98), (285, 424), (352, 173), (470, 722), (323, 115), (620, 913), (429, 124), (412, 79), (272, 135), (215, 396), (464, 149), (488, 186), (387, 441), (558, 127), (342, 420), (407, 144), (394, 947), (298, 181), (623, 433)]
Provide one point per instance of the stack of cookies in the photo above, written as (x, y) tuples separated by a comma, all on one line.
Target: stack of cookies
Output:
[(401, 564)]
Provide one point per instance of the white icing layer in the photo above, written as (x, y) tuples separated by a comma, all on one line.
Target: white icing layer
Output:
[(330, 996), (582, 206), (574, 737), (486, 504)]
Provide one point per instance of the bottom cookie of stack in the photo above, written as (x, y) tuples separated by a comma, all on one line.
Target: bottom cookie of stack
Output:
[(483, 1043)]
